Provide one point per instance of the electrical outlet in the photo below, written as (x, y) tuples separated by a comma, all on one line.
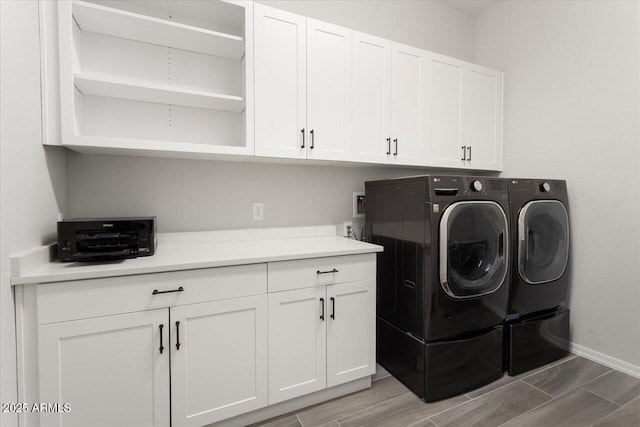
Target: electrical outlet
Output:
[(345, 228), (258, 211)]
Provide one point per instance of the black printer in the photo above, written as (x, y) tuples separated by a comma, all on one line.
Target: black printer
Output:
[(100, 239)]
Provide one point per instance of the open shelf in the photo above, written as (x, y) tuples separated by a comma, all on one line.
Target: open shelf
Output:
[(120, 23), (124, 92), (161, 94), (156, 148)]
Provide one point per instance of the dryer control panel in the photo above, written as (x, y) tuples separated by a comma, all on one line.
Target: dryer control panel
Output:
[(443, 188)]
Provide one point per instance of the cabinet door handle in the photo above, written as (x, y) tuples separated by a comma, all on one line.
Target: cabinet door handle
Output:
[(177, 335), (302, 146), (388, 146), (464, 152), (313, 139), (322, 315), (161, 346), (327, 272), (157, 292), (469, 148), (333, 308), (396, 141)]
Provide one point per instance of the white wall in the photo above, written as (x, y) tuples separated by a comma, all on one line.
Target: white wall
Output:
[(204, 195), (188, 195), (571, 110), (429, 25), (32, 179)]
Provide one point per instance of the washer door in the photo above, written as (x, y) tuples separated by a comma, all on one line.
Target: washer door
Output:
[(543, 241), (474, 248)]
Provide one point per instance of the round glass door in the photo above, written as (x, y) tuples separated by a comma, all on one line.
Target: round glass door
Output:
[(473, 249), (543, 241)]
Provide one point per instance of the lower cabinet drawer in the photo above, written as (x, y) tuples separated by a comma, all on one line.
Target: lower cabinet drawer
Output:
[(307, 273), (100, 297)]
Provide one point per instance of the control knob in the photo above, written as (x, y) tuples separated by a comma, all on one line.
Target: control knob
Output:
[(545, 187), (476, 186)]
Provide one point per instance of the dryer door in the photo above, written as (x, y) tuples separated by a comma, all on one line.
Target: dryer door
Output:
[(543, 241), (474, 248)]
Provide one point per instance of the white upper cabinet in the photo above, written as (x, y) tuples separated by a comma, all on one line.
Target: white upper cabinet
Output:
[(389, 81), (232, 78), (444, 111), (482, 117), (328, 90), (281, 83), (154, 78), (303, 87), (464, 115), (372, 98), (408, 109)]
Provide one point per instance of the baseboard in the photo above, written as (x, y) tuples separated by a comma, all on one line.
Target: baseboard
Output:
[(612, 362)]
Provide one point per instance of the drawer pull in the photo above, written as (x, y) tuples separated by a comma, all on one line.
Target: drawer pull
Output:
[(333, 308), (157, 292), (161, 346), (322, 315), (177, 335), (327, 272)]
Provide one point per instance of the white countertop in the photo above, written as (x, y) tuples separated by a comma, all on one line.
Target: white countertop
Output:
[(173, 254)]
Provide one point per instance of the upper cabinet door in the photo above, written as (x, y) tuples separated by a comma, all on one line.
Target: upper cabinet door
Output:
[(408, 117), (482, 117), (280, 83), (328, 91), (444, 111), (371, 98)]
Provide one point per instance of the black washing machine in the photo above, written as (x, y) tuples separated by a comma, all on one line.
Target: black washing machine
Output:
[(442, 280), (537, 325)]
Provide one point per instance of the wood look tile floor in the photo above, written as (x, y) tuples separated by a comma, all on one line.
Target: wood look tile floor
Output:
[(572, 392)]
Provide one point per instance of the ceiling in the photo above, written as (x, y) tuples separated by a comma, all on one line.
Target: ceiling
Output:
[(472, 7)]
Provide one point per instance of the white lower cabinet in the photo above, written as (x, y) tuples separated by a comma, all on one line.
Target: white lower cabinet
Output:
[(153, 355), (193, 348), (351, 331), (109, 370), (218, 360), (114, 370), (297, 343), (320, 337)]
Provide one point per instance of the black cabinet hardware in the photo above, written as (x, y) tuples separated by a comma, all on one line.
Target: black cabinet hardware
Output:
[(388, 146), (302, 146), (333, 308), (161, 346), (469, 148), (464, 153), (177, 335), (322, 315), (157, 292), (313, 139), (396, 141), (327, 272)]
